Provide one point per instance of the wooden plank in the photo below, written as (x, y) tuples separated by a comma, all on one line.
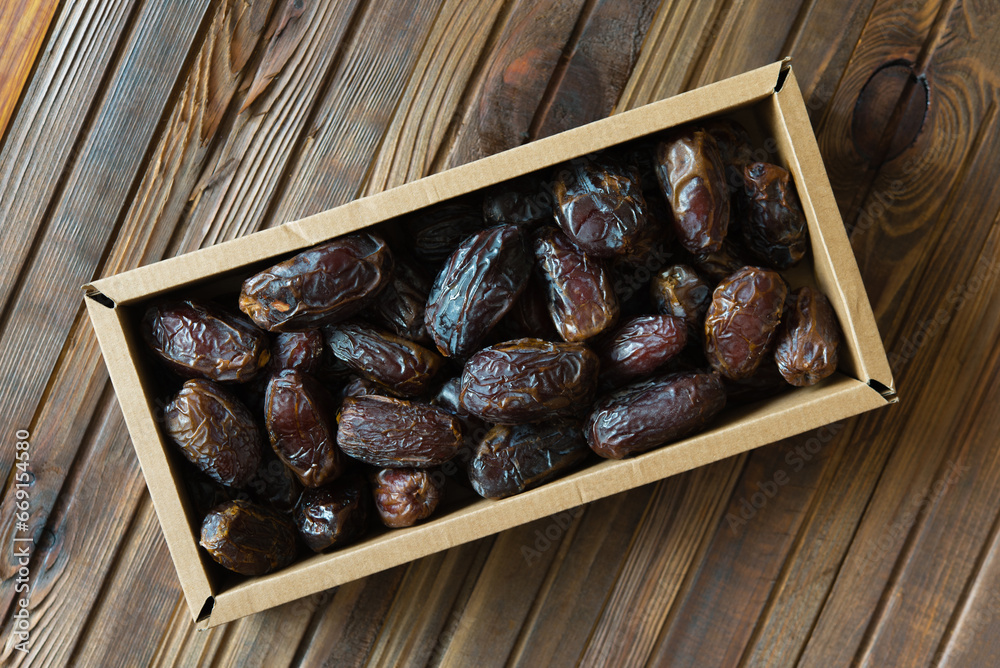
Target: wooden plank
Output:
[(24, 25)]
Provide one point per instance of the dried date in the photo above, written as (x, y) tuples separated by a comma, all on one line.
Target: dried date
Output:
[(322, 285), (477, 286), (742, 320), (215, 431), (646, 415), (679, 291), (404, 367), (335, 514), (301, 351), (808, 339), (774, 228), (437, 231), (522, 201), (403, 497), (394, 433), (400, 307), (528, 380), (196, 340), (641, 346), (719, 264), (247, 538)]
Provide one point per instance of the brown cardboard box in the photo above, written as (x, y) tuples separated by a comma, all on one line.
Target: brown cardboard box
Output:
[(768, 97)]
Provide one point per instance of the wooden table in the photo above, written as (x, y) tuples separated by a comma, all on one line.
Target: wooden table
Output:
[(148, 129)]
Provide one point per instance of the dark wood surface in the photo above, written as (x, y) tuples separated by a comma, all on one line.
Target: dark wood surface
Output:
[(150, 128)]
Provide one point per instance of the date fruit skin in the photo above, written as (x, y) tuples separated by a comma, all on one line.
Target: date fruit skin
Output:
[(514, 458), (215, 431), (393, 433), (402, 366), (529, 316), (734, 147), (651, 413), (641, 346), (742, 320), (581, 299), (693, 179), (774, 228), (679, 291), (403, 497), (275, 485), (197, 340), (717, 265), (437, 231), (808, 339), (400, 307), (360, 387), (477, 285), (335, 514), (320, 286), (248, 538), (521, 201), (301, 423), (301, 351), (599, 205), (527, 380)]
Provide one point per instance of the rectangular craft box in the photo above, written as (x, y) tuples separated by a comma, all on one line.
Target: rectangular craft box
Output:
[(769, 96)]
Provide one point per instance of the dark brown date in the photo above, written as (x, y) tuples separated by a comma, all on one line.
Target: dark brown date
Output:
[(400, 307), (360, 387), (719, 264), (300, 418), (301, 351), (403, 497), (335, 514), (393, 433), (437, 231), (322, 285), (742, 320), (599, 205), (774, 227), (521, 201), (581, 300), (247, 538), (404, 367), (734, 147), (515, 458), (198, 340), (477, 286), (808, 339), (679, 291), (692, 177), (529, 316), (275, 485), (646, 415), (528, 380), (641, 346), (215, 431)]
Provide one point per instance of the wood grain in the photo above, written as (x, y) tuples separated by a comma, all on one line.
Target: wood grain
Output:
[(24, 25)]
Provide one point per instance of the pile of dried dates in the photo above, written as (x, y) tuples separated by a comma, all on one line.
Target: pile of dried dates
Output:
[(611, 306)]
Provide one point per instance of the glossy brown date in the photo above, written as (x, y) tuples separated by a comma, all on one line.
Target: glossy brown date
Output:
[(774, 227), (322, 285), (301, 351), (692, 177), (477, 286), (742, 320), (641, 346), (717, 265), (394, 433), (247, 538), (335, 514), (515, 458), (403, 497), (581, 300), (275, 485), (679, 291), (197, 340), (651, 413), (521, 201), (437, 231), (301, 423), (528, 380), (808, 339), (599, 205), (400, 307), (214, 431), (404, 367)]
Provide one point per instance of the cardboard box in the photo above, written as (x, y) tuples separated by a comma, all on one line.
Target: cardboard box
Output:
[(768, 97)]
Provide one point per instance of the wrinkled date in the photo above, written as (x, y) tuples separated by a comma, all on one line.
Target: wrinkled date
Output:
[(581, 299), (522, 201), (437, 231), (403, 497), (476, 287), (301, 351), (275, 484), (651, 413), (808, 339), (400, 307), (196, 340), (679, 291), (394, 433), (742, 320), (692, 177), (247, 538), (515, 458), (599, 206), (333, 515), (528, 380), (300, 422), (215, 431), (641, 346), (717, 265), (774, 228), (404, 367), (320, 286)]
